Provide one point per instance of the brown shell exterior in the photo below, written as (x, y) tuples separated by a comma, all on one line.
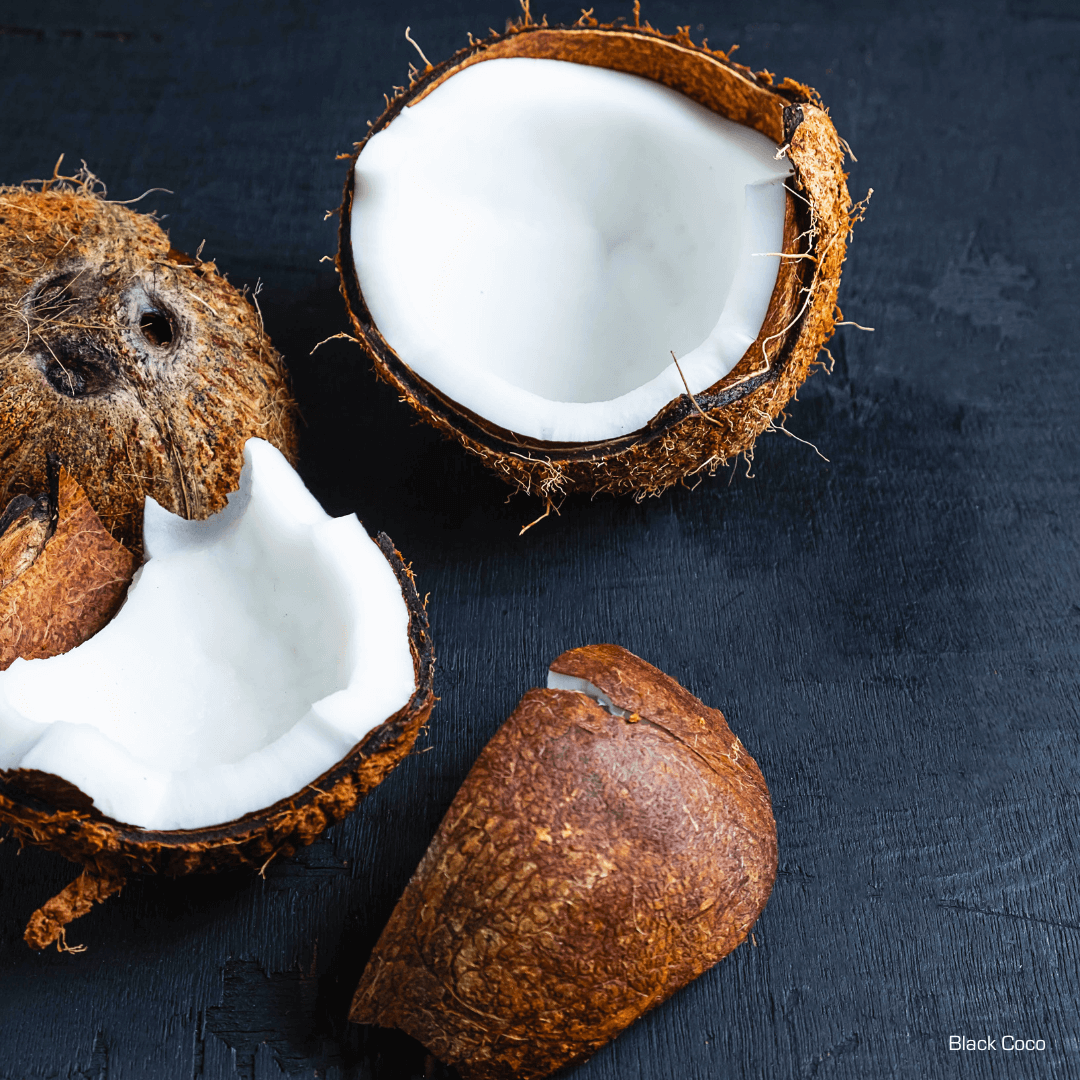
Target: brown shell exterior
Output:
[(690, 435), (111, 851), (588, 868), (72, 588), (90, 292)]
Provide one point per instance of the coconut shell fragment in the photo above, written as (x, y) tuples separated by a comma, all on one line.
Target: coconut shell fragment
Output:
[(141, 367), (694, 433), (63, 575), (590, 866), (25, 526)]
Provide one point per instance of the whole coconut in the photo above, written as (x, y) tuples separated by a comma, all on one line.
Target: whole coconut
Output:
[(140, 367)]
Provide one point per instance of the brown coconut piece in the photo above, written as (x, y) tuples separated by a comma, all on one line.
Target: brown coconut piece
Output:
[(590, 866), (694, 433), (142, 368), (62, 575), (48, 811), (25, 527)]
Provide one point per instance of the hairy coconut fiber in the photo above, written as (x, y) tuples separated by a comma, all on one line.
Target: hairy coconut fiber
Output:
[(589, 867), (46, 810), (144, 370), (692, 434), (62, 575)]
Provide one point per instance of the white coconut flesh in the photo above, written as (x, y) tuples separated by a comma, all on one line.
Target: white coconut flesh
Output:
[(253, 652), (535, 238), (556, 681)]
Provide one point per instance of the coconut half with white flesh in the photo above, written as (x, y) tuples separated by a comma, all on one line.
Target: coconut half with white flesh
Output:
[(599, 257), (268, 667)]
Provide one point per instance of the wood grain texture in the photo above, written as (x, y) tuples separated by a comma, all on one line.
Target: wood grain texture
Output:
[(894, 634)]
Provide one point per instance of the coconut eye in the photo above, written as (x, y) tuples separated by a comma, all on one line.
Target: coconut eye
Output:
[(156, 329), (77, 371), (55, 294)]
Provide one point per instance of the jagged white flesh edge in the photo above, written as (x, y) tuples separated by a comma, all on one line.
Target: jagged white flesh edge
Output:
[(253, 651), (534, 236), (556, 681)]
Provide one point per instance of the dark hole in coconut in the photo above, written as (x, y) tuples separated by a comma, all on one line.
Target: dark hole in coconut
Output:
[(55, 295), (156, 328), (78, 370), (15, 510)]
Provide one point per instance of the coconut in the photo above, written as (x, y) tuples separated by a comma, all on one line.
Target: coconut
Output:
[(62, 576), (268, 667), (612, 842), (142, 368), (599, 257)]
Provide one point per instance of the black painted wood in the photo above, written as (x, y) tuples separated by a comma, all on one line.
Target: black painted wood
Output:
[(893, 633)]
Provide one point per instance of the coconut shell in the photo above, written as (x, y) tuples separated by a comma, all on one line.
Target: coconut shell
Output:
[(63, 575), (49, 811), (589, 867), (142, 368), (692, 434), (25, 527)]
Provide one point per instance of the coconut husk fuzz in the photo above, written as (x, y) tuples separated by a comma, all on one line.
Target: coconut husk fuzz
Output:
[(693, 434), (589, 867), (141, 367), (48, 811), (49, 924), (60, 589)]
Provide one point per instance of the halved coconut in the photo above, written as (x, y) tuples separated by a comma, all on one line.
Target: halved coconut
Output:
[(270, 665), (142, 368), (599, 257)]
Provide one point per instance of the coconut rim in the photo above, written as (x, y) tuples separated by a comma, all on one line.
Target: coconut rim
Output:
[(775, 111), (88, 835)]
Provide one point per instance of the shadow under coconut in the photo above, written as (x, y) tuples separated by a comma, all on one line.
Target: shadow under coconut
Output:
[(173, 911), (362, 450), (292, 1018), (362, 1050)]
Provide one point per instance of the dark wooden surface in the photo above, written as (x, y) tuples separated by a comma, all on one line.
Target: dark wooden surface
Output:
[(893, 634)]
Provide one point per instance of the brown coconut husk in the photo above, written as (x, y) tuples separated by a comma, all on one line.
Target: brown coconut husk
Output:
[(141, 367), (52, 813), (62, 575), (694, 433), (589, 867)]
